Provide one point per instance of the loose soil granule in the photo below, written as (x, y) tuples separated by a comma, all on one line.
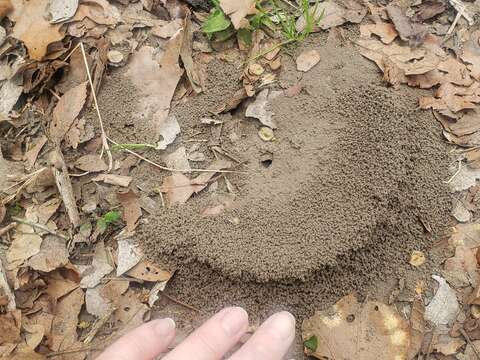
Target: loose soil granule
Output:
[(355, 184)]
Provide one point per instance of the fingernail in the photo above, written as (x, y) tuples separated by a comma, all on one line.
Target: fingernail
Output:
[(281, 325), (164, 327), (234, 320)]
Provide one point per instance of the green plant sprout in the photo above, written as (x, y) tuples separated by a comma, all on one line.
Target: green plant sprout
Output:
[(218, 26), (107, 219)]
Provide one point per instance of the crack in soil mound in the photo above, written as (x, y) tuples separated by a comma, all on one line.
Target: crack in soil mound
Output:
[(355, 165)]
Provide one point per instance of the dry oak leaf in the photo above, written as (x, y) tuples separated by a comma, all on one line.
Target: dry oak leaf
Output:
[(307, 60), (148, 271), (33, 29), (237, 10), (385, 31), (64, 326), (91, 163), (131, 208), (66, 111), (349, 330)]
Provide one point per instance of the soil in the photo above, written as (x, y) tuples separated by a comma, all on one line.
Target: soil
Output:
[(355, 183)]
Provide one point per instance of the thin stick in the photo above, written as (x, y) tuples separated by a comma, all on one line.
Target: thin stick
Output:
[(7, 228), (39, 226), (171, 169), (459, 15), (180, 302), (456, 173), (105, 146)]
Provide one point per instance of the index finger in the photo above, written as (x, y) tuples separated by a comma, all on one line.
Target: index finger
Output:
[(214, 338)]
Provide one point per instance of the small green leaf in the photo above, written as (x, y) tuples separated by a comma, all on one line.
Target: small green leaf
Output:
[(216, 22), (107, 219), (224, 34), (311, 343), (245, 36)]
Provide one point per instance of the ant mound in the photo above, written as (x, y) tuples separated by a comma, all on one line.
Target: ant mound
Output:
[(354, 165)]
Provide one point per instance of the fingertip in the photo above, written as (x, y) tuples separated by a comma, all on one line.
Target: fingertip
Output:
[(234, 320), (164, 327), (281, 325)]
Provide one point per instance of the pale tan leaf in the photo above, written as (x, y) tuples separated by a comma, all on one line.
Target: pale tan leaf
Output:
[(101, 266), (91, 163), (34, 30), (307, 60), (350, 330), (386, 31), (238, 10), (148, 271), (131, 208), (53, 255), (67, 109)]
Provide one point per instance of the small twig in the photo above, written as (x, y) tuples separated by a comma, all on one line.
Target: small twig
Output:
[(98, 325), (459, 15), (180, 302), (22, 183), (7, 228), (265, 52), (171, 169), (105, 146), (39, 226), (456, 173), (469, 341)]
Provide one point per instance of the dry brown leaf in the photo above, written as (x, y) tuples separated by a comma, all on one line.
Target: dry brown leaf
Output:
[(23, 247), (101, 266), (91, 163), (104, 297), (471, 54), (350, 330), (443, 308), (53, 255), (237, 10), (186, 56), (307, 60), (129, 254), (66, 111), (31, 155), (148, 271), (429, 9), (463, 266), (385, 31), (64, 327), (448, 71), (453, 98), (112, 179), (166, 31), (131, 208), (156, 82), (447, 345), (177, 188), (10, 324), (28, 355), (130, 312), (5, 7), (33, 29), (409, 31), (99, 11), (59, 285), (33, 334)]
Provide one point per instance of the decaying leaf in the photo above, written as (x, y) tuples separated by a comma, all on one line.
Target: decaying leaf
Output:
[(259, 109), (33, 29), (415, 33), (23, 247), (67, 109), (61, 10), (64, 327), (131, 208), (148, 271), (238, 10), (385, 31), (156, 82), (350, 330), (10, 324), (129, 255), (112, 179), (91, 163), (53, 254), (179, 188), (307, 60), (101, 266), (443, 308)]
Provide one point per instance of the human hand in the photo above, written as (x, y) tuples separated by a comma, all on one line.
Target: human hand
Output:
[(211, 341)]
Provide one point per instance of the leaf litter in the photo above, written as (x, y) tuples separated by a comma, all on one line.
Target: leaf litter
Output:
[(40, 252)]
